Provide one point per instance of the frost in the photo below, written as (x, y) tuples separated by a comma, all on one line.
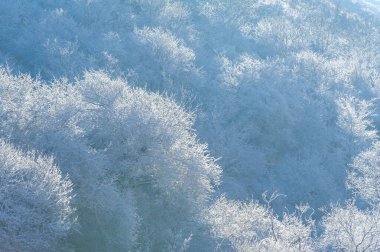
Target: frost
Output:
[(36, 209), (133, 99), (136, 165)]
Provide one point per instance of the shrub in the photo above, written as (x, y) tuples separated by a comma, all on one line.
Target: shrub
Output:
[(36, 211)]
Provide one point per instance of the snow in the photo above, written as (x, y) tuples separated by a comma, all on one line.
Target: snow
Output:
[(162, 111)]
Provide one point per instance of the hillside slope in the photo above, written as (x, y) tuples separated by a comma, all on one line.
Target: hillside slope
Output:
[(284, 93)]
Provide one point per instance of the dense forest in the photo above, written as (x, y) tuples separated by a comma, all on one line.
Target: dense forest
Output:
[(204, 125)]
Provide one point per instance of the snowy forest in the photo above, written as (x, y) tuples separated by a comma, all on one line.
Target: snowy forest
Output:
[(203, 125)]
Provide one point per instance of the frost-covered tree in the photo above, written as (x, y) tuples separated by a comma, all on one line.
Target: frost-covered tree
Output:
[(351, 229), (140, 176), (153, 152), (253, 227), (364, 178), (36, 210), (167, 48), (355, 117)]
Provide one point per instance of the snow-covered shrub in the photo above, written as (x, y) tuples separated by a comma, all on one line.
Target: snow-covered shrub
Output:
[(355, 118), (351, 229), (153, 151), (168, 48), (171, 62), (36, 212), (173, 14), (364, 178), (46, 118), (253, 227), (140, 176)]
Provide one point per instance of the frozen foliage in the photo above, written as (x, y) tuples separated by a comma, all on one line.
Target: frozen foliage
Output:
[(350, 229), (167, 48), (140, 176), (49, 119), (287, 87), (35, 202), (253, 227), (286, 92), (365, 176), (355, 118), (266, 75)]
